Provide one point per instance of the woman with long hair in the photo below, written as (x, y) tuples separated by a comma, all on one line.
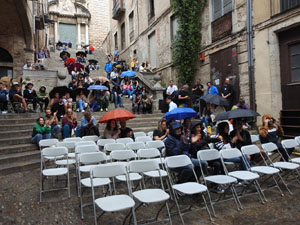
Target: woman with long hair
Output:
[(69, 122), (111, 130), (162, 131)]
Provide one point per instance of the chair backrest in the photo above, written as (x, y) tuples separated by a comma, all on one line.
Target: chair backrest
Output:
[(230, 153), (54, 152), (48, 142), (298, 139), (135, 145), (289, 143), (148, 153), (74, 139), (114, 146), (84, 143), (150, 134), (86, 148), (178, 161), (208, 155), (155, 144), (94, 138), (269, 147), (144, 139), (67, 144), (124, 140), (122, 155), (92, 158), (102, 142), (139, 134), (254, 138), (141, 166), (108, 170), (250, 149)]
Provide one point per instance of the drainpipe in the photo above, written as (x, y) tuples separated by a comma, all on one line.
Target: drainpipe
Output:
[(250, 55)]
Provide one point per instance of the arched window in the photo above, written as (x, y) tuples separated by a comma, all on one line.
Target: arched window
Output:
[(5, 56)]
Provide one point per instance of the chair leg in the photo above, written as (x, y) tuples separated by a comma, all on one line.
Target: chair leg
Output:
[(81, 205), (259, 191), (211, 219), (211, 204), (41, 186), (69, 195), (239, 205), (134, 216), (277, 185), (178, 208), (280, 177), (169, 214)]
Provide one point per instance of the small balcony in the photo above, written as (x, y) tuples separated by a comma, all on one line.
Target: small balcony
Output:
[(281, 6), (118, 10)]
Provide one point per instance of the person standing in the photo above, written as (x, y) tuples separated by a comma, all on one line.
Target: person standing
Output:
[(172, 89), (183, 96), (197, 90), (227, 93), (52, 121), (40, 131), (211, 89), (171, 104)]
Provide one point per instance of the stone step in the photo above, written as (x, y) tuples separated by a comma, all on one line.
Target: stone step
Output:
[(15, 140), (25, 126), (15, 121), (20, 156), (20, 166), (8, 149), (16, 133)]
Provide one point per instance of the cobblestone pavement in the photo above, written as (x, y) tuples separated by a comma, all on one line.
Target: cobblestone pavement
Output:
[(19, 204)]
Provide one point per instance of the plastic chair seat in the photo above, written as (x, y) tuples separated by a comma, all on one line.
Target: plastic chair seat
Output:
[(71, 155), (151, 195), (221, 179), (86, 168), (264, 169), (244, 175), (52, 157), (65, 162), (55, 171), (115, 203), (96, 182), (132, 177), (155, 174), (295, 160), (285, 165), (190, 188)]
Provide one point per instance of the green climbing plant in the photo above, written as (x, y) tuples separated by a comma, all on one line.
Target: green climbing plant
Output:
[(186, 44)]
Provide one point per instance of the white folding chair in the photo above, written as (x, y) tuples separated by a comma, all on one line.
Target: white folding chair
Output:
[(73, 139), (94, 138), (86, 162), (124, 140), (183, 162), (255, 138), (102, 142), (114, 146), (144, 139), (85, 143), (69, 145), (139, 134), (149, 195), (160, 145), (150, 134), (225, 180), (290, 144), (112, 203), (297, 139), (262, 170), (245, 176), (47, 143), (135, 145), (53, 152)]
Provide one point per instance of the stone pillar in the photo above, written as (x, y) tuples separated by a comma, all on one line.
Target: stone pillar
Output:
[(78, 36), (56, 32), (86, 34)]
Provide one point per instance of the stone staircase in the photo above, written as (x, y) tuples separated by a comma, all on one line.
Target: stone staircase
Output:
[(18, 154)]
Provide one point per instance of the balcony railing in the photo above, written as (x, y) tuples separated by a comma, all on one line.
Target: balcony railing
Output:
[(280, 6), (118, 10)]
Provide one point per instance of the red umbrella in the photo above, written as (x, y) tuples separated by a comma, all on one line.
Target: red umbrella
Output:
[(116, 114), (92, 48)]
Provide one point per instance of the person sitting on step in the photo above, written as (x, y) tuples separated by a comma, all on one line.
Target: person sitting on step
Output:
[(31, 97), (40, 131), (15, 96), (88, 125), (69, 123)]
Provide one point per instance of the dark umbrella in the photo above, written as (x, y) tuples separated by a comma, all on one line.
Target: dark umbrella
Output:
[(236, 113), (93, 61), (215, 99), (63, 53), (62, 90), (81, 53), (85, 91)]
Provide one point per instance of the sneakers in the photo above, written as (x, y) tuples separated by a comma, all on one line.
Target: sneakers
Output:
[(82, 110), (4, 112), (106, 109), (101, 110), (77, 110), (221, 188)]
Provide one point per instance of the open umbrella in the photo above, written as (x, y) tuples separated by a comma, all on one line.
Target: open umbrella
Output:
[(93, 61), (62, 90), (63, 53), (180, 114), (215, 99), (97, 87), (81, 53), (116, 114), (236, 113), (92, 48), (69, 60), (85, 91), (128, 74)]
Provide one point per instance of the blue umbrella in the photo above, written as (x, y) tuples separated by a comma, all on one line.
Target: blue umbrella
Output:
[(97, 87), (128, 74), (180, 114)]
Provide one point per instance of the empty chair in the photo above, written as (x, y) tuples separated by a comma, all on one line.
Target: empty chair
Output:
[(139, 134), (135, 145), (150, 134), (114, 146), (69, 145), (112, 203), (298, 139), (224, 180), (288, 146), (255, 138), (53, 152), (183, 162), (102, 142), (144, 139), (94, 138), (160, 145), (74, 139), (47, 143), (84, 143), (241, 175), (149, 195), (124, 140)]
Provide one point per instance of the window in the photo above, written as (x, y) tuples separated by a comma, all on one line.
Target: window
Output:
[(131, 27), (295, 62), (174, 27), (116, 40), (151, 10), (123, 39), (221, 7), (288, 4)]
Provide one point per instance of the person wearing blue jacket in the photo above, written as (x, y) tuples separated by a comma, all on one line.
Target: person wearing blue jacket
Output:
[(213, 90), (3, 98)]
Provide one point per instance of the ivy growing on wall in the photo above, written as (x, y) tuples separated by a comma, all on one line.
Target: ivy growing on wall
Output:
[(186, 45)]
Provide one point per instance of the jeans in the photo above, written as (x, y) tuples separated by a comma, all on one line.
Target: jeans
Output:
[(118, 99), (127, 92), (206, 120), (66, 131), (80, 105), (55, 130), (95, 106), (36, 139)]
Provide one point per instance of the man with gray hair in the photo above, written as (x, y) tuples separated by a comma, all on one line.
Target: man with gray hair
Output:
[(183, 96), (88, 125)]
